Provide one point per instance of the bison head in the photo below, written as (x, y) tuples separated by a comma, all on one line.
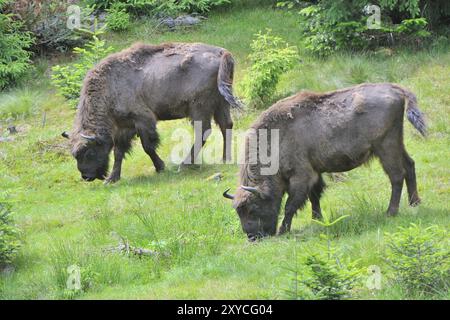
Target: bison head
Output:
[(257, 211), (92, 155)]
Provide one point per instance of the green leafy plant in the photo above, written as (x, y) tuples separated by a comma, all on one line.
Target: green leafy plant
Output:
[(9, 235), (330, 26), (118, 19), (173, 7), (69, 79), (271, 56), (329, 279), (420, 259), (47, 20), (160, 7), (322, 275), (14, 42)]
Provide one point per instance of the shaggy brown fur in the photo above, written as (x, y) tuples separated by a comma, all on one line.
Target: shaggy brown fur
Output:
[(128, 92), (330, 132)]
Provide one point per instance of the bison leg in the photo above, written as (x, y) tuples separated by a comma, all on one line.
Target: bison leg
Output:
[(298, 194), (122, 145), (390, 153), (117, 168), (223, 119), (150, 139), (410, 178), (202, 130), (314, 197)]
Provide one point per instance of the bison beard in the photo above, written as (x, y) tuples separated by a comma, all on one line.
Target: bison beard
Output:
[(128, 92), (331, 132)]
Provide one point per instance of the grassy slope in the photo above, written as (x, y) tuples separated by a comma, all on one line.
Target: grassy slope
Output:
[(69, 222)]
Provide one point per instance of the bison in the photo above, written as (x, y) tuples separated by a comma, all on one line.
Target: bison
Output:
[(330, 132), (126, 93)]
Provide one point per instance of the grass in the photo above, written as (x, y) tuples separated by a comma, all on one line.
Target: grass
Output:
[(183, 215)]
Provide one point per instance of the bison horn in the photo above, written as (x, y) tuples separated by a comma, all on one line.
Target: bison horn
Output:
[(65, 135), (250, 189), (90, 138), (227, 195)]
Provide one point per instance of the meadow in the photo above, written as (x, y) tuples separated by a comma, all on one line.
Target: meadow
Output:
[(182, 215)]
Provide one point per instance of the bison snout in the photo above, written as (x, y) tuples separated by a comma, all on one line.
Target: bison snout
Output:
[(87, 178), (252, 237)]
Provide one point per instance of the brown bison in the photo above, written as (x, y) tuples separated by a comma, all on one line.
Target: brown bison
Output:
[(330, 132), (128, 92)]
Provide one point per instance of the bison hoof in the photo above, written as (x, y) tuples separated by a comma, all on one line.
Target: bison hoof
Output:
[(392, 212), (111, 180), (317, 216), (283, 231), (414, 202), (160, 167)]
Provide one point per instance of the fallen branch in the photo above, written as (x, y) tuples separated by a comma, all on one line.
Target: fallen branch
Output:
[(125, 247)]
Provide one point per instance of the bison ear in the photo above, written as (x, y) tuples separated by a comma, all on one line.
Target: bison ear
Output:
[(65, 135)]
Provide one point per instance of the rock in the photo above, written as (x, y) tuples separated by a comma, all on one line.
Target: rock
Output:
[(186, 20), (6, 139), (12, 129), (216, 177)]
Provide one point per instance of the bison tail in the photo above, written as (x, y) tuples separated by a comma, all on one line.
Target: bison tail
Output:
[(414, 115), (225, 80)]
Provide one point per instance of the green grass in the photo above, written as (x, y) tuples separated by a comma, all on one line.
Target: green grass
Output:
[(204, 253)]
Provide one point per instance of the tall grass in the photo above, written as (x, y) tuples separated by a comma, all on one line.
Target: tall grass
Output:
[(21, 103)]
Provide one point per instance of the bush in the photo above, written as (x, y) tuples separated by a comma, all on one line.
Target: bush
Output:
[(9, 236), (420, 259), (47, 20), (329, 26), (69, 79), (160, 7), (14, 42), (118, 19), (271, 56), (330, 280), (327, 278), (174, 7)]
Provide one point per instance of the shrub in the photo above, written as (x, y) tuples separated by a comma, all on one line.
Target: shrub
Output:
[(9, 236), (420, 259), (271, 56), (47, 20), (325, 277), (118, 19), (331, 25), (173, 7), (330, 280), (160, 7), (69, 79), (14, 42)]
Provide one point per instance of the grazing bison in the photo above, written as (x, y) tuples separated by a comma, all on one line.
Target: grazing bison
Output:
[(128, 92), (330, 132)]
